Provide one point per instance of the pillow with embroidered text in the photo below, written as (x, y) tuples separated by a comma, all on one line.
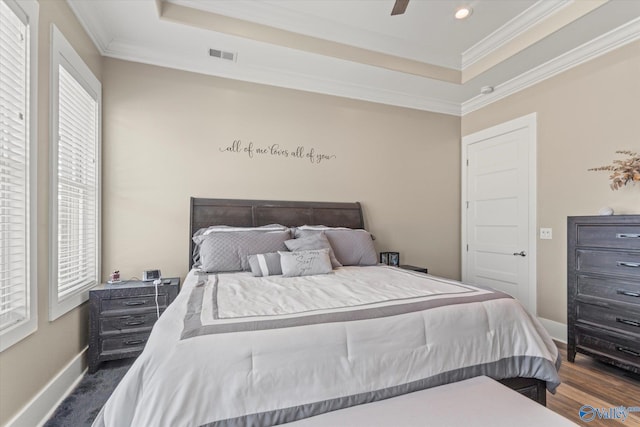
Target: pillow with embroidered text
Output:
[(305, 263)]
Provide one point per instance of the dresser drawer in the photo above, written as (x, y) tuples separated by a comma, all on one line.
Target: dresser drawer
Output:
[(622, 349), (609, 236), (608, 262), (622, 320), (129, 342), (614, 290), (109, 324), (134, 302)]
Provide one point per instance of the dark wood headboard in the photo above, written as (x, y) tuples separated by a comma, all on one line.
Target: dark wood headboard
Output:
[(254, 213)]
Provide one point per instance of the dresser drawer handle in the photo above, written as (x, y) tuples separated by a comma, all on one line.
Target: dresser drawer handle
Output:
[(134, 323), (627, 236), (628, 322), (628, 351), (628, 264), (134, 342), (628, 293), (130, 303)]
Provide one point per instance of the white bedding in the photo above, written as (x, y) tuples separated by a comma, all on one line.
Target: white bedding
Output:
[(270, 373), (242, 295)]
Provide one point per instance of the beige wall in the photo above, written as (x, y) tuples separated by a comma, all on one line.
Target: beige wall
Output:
[(584, 116), (163, 130), (26, 367)]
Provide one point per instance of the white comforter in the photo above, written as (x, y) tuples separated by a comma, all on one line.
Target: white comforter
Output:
[(265, 372)]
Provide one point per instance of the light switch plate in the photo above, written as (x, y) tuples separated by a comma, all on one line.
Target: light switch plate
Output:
[(546, 233)]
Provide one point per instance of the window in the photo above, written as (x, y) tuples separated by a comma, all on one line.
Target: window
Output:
[(75, 178), (18, 284)]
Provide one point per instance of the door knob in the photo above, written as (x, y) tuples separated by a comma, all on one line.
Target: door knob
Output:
[(521, 253)]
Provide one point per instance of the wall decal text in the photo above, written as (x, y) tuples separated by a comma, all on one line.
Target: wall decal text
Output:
[(276, 150)]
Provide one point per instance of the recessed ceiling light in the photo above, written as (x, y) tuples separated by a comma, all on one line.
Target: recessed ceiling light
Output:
[(463, 12)]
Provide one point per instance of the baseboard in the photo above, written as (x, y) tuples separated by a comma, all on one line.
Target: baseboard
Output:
[(40, 408), (557, 330)]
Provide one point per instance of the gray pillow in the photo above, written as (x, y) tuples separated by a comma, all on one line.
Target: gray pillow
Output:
[(305, 263), (199, 236), (224, 252), (265, 264), (313, 240), (351, 247)]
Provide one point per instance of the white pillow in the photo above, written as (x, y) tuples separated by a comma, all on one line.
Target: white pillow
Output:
[(305, 263)]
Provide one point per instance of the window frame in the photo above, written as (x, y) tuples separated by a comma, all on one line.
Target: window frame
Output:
[(27, 12), (63, 54)]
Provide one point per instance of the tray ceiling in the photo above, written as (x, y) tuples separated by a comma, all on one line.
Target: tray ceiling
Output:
[(422, 59)]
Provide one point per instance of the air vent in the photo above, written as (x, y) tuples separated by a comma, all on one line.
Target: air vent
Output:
[(229, 56)]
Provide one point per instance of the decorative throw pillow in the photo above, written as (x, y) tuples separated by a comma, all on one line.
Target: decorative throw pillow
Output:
[(315, 240), (305, 263), (265, 264), (351, 247), (225, 252)]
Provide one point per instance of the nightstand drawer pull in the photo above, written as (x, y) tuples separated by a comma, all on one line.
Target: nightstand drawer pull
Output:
[(628, 322), (628, 264), (627, 236), (134, 322), (134, 342), (628, 351), (131, 303), (628, 293)]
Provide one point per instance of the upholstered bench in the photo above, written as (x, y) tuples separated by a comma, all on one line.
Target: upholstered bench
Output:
[(478, 401)]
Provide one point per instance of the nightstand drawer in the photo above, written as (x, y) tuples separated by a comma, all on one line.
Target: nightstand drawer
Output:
[(608, 262), (614, 290), (609, 236), (627, 321), (134, 302), (129, 342), (127, 322)]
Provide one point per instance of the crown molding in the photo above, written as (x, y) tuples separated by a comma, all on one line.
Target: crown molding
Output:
[(535, 14), (599, 46), (92, 26), (119, 49)]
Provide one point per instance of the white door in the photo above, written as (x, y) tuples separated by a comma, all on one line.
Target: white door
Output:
[(498, 209)]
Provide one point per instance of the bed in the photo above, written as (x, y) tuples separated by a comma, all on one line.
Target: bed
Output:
[(224, 355)]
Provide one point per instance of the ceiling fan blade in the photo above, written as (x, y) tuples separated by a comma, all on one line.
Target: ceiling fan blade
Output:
[(399, 7)]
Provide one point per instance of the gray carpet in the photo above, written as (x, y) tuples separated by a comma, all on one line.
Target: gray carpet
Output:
[(83, 404)]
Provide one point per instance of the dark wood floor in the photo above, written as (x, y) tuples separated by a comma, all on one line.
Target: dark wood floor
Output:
[(588, 382)]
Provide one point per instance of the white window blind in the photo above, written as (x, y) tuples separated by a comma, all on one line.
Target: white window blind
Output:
[(77, 187), (17, 292), (76, 190)]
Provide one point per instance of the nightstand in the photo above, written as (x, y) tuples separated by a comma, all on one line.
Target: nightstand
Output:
[(414, 268), (121, 316)]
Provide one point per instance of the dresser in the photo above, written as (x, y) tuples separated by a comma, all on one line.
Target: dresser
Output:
[(603, 266), (121, 316)]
